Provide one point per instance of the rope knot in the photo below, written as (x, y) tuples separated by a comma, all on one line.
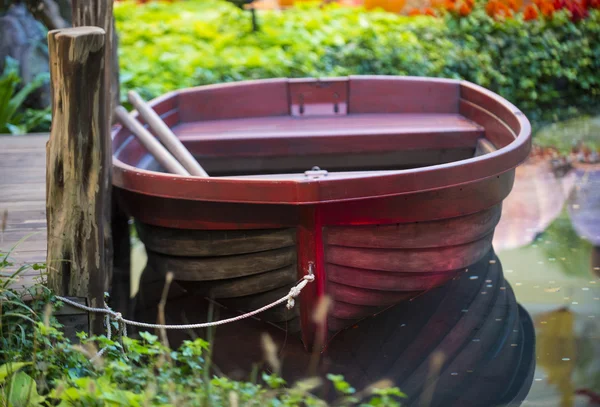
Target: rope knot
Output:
[(294, 292), (309, 277)]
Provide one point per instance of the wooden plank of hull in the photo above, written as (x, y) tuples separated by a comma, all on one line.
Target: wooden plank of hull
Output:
[(242, 286), (438, 233), (189, 214), (180, 242), (362, 296), (223, 267), (410, 260), (344, 310), (387, 281), (445, 203)]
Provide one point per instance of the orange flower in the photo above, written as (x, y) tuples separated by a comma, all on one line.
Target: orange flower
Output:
[(547, 9), (502, 11), (449, 4), (513, 4), (490, 7), (530, 13), (470, 3), (464, 10), (427, 11)]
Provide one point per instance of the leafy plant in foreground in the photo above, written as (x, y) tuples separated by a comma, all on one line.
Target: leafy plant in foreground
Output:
[(40, 367)]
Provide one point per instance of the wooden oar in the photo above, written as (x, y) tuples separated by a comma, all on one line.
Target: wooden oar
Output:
[(157, 150), (166, 136)]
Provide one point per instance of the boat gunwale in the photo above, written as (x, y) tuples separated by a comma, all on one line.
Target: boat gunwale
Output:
[(322, 190)]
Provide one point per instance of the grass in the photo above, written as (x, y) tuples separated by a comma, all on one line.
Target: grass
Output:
[(579, 133)]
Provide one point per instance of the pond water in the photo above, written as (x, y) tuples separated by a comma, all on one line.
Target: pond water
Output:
[(522, 326)]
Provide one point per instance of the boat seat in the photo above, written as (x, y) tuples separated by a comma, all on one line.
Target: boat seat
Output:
[(330, 134), (279, 144)]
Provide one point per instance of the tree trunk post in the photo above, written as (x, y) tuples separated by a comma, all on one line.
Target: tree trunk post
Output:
[(77, 194), (99, 13)]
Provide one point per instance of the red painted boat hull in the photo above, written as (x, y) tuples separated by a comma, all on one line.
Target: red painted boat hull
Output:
[(373, 237)]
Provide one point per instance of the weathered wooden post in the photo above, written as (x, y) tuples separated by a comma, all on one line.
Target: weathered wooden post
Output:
[(99, 13), (77, 195)]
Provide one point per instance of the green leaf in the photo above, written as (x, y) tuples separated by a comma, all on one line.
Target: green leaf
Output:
[(9, 369), (22, 391), (148, 337), (340, 384)]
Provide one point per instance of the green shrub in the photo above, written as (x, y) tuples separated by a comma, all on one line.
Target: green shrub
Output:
[(548, 68)]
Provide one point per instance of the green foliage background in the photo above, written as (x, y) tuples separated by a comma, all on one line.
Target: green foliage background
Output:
[(549, 68)]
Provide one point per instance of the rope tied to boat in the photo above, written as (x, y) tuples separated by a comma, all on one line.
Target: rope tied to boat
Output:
[(297, 289), (117, 317)]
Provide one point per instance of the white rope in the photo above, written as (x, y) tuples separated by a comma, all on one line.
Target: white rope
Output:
[(116, 316)]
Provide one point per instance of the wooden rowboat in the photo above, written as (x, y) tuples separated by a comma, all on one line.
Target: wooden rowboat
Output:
[(408, 190)]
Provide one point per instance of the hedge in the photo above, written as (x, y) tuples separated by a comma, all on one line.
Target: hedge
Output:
[(548, 67)]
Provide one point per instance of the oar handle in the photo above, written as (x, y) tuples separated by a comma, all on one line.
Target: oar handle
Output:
[(157, 150), (166, 136)]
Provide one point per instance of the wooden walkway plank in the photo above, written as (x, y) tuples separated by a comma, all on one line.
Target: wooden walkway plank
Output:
[(23, 198)]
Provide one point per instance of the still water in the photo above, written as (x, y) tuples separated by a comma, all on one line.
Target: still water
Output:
[(520, 327)]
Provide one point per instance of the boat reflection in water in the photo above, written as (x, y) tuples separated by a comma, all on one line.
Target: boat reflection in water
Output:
[(467, 343)]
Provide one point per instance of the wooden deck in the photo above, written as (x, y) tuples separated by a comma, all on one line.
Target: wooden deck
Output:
[(23, 200)]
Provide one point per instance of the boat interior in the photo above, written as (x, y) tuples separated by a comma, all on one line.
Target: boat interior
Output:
[(279, 129)]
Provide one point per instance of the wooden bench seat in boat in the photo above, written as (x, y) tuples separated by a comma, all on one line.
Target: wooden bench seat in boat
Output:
[(356, 141)]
